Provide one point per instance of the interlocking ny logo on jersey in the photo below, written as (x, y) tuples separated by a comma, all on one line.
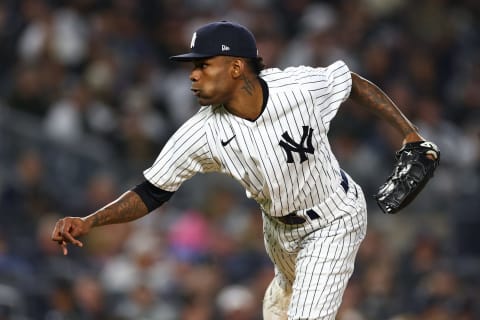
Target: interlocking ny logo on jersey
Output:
[(302, 147)]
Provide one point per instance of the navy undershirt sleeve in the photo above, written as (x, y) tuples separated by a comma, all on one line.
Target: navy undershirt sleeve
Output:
[(152, 196)]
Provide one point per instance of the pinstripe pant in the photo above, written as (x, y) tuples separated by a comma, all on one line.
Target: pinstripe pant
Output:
[(313, 261)]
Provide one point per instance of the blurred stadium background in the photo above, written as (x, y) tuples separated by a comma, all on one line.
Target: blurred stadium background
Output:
[(88, 98)]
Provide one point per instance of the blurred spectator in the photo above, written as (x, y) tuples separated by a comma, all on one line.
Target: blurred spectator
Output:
[(12, 306), (143, 128), (459, 151), (198, 286), (379, 287), (91, 298), (59, 34), (26, 197), (15, 279), (454, 143), (27, 93), (144, 262), (62, 302), (171, 88), (189, 237), (101, 187), (237, 303), (10, 27), (350, 307), (142, 303), (424, 257), (78, 114)]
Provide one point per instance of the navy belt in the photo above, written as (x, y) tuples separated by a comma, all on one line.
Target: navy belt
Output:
[(292, 218)]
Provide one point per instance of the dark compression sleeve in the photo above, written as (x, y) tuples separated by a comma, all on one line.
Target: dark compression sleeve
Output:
[(152, 196)]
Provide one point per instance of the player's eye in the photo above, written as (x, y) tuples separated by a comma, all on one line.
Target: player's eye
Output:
[(200, 65)]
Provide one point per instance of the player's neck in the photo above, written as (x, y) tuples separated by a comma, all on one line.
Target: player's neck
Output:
[(247, 102)]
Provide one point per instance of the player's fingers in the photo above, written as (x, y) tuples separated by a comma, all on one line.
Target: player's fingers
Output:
[(66, 233), (69, 238), (432, 155), (63, 244), (56, 234)]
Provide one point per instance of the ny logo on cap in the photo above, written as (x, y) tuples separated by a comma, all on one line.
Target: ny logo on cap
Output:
[(194, 37)]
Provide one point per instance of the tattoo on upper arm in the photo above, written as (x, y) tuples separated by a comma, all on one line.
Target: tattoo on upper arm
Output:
[(248, 85)]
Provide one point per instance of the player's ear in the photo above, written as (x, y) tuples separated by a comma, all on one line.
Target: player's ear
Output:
[(237, 68)]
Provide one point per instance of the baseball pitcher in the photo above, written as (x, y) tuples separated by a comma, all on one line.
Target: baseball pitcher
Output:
[(268, 130)]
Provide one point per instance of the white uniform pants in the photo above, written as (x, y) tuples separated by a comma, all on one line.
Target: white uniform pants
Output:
[(314, 260)]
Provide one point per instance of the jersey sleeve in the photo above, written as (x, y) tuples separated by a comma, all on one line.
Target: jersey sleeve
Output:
[(185, 154), (329, 87)]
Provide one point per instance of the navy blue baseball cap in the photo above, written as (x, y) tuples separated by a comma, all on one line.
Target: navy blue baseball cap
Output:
[(220, 39)]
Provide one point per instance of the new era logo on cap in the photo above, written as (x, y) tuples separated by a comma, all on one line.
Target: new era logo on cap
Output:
[(220, 39)]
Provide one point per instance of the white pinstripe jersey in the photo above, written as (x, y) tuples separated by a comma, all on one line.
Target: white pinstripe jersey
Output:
[(302, 101)]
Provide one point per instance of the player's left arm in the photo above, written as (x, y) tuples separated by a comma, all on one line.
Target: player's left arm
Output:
[(416, 161), (372, 97)]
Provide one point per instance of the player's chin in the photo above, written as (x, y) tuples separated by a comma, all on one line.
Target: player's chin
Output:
[(204, 101)]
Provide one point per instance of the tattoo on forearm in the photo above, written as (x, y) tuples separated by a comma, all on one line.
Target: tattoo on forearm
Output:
[(248, 85), (126, 208), (371, 96)]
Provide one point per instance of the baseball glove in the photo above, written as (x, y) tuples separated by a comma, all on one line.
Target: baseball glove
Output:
[(416, 162)]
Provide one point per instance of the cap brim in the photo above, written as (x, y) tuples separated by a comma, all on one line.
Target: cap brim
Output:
[(189, 56)]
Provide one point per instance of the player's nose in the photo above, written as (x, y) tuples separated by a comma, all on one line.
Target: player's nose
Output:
[(194, 75)]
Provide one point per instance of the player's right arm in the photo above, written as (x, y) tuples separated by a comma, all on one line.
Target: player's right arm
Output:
[(128, 207), (131, 205), (185, 154)]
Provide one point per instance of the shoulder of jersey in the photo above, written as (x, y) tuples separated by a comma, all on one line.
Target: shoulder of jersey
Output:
[(277, 72), (290, 75), (296, 72)]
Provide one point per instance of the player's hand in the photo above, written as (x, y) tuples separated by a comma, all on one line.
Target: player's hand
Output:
[(415, 137), (68, 229)]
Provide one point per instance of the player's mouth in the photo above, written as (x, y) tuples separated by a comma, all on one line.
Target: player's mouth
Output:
[(196, 92)]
